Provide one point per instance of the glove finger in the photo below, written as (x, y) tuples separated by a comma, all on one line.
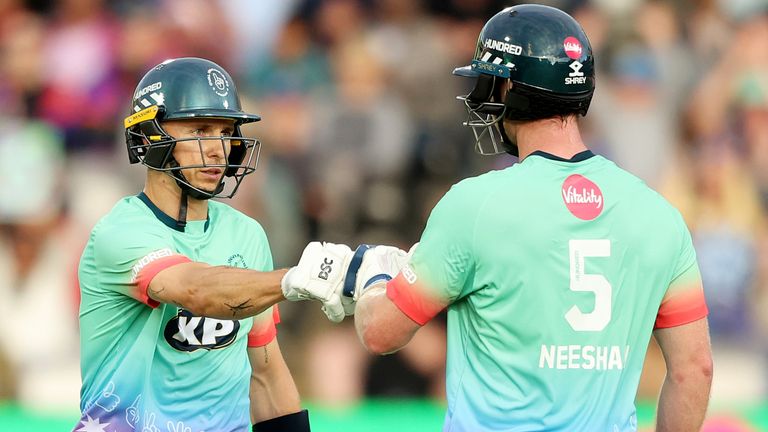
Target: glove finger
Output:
[(349, 307), (333, 309)]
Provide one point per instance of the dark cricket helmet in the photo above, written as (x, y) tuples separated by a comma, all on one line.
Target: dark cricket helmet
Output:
[(547, 57), (188, 88)]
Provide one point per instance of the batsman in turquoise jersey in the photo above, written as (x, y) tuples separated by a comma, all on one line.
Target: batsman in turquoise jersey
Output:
[(555, 271), (178, 294), (135, 350)]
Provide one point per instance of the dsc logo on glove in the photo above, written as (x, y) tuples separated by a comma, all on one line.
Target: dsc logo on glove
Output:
[(325, 269)]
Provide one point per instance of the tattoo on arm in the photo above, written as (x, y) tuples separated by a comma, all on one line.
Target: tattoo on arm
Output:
[(154, 292), (266, 355), (235, 308)]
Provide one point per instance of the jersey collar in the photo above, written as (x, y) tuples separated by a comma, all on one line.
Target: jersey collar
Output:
[(578, 157), (164, 218)]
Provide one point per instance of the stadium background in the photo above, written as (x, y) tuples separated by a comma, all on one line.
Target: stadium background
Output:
[(361, 135)]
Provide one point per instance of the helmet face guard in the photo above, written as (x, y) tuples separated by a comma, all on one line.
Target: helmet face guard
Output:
[(151, 146), (485, 115), (190, 88), (543, 59)]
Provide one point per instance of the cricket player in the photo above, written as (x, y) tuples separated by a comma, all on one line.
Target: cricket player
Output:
[(177, 322), (555, 271)]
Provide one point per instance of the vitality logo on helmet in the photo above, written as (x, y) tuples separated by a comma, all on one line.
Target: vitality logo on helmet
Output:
[(572, 47)]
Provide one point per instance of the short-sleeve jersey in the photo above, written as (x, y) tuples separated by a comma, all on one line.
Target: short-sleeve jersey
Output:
[(555, 273), (156, 367)]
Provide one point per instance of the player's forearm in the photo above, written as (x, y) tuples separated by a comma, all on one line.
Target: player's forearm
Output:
[(373, 326), (217, 291), (683, 401), (273, 391)]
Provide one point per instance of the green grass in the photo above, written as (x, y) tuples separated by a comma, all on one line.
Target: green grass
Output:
[(376, 415)]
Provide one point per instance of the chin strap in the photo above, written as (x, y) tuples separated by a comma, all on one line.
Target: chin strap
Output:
[(181, 222)]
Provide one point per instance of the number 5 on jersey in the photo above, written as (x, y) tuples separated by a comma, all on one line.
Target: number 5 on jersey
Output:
[(595, 283)]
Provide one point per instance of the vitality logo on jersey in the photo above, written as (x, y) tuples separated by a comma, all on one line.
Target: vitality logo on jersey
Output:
[(186, 332), (582, 197)]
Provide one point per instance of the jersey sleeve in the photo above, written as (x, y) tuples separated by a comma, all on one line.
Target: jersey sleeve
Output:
[(684, 300), (264, 328), (442, 266), (128, 260)]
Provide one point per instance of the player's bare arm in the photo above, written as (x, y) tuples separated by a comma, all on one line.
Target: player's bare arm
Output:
[(685, 392), (273, 392), (217, 291), (381, 326)]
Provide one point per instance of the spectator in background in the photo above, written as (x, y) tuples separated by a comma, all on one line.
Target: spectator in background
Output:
[(22, 36), (90, 84), (288, 85), (726, 207), (638, 128), (35, 266)]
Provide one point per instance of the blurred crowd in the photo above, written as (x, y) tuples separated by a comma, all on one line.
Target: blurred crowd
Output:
[(361, 135)]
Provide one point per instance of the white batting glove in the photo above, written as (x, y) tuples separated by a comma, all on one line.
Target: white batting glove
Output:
[(319, 276), (371, 264)]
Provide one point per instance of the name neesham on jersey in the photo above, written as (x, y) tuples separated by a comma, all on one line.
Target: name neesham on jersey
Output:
[(589, 357)]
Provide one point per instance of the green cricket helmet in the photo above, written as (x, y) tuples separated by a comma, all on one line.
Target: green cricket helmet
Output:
[(189, 88), (547, 57)]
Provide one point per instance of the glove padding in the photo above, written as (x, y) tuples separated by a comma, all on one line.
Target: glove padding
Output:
[(371, 264), (319, 276)]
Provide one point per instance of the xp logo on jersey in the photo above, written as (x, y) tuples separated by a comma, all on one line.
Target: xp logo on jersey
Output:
[(186, 332), (582, 197)]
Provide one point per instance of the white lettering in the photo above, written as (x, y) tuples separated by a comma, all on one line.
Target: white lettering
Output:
[(187, 330), (562, 356), (548, 356), (212, 328), (409, 274), (574, 354), (503, 46), (152, 256), (152, 87), (571, 196), (576, 80), (588, 354), (602, 357), (588, 357), (573, 47), (614, 362)]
